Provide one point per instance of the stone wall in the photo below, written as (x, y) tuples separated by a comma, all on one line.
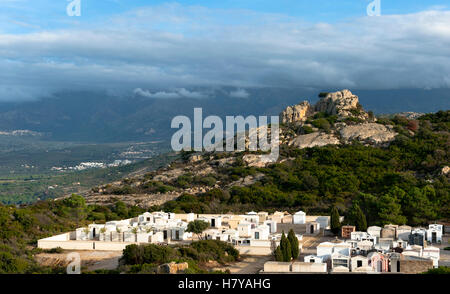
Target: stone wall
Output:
[(84, 245), (415, 266), (277, 267)]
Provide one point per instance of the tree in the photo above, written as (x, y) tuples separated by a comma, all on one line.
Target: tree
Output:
[(417, 207), (285, 247), (76, 206), (294, 244), (121, 209), (75, 201), (361, 222), (334, 220), (357, 218), (278, 254), (369, 204), (197, 227), (390, 211)]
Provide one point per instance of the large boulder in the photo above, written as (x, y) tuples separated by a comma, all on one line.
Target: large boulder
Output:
[(299, 112), (173, 268), (341, 103), (314, 139), (369, 133)]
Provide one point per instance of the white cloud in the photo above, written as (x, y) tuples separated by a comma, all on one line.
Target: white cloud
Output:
[(177, 93), (178, 47), (239, 93)]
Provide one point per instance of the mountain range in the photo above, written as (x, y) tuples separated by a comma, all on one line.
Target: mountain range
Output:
[(100, 117)]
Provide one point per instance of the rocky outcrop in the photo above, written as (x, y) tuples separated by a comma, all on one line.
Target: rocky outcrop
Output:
[(334, 103), (299, 112), (370, 133), (351, 122), (255, 160), (173, 268), (247, 181), (342, 103), (195, 158), (314, 139), (223, 162)]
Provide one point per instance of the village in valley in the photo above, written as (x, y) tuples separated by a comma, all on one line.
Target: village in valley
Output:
[(258, 235)]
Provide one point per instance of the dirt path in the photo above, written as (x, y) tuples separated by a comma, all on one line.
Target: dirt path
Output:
[(90, 260)]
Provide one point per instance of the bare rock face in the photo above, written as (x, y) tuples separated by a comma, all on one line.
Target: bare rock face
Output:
[(247, 181), (255, 160), (370, 133), (173, 268), (195, 158), (314, 139), (225, 161), (339, 103), (299, 112)]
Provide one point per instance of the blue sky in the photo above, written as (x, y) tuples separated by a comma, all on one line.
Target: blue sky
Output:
[(28, 15), (167, 49)]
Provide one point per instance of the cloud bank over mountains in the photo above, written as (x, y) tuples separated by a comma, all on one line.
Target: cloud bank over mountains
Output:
[(179, 47)]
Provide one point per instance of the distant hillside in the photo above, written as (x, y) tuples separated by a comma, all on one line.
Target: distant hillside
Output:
[(98, 117)]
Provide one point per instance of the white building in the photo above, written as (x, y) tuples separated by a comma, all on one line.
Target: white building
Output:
[(338, 260), (261, 233), (216, 221), (272, 226), (432, 253), (299, 218), (434, 233), (324, 221), (244, 229), (326, 249), (313, 259), (258, 230), (251, 217), (374, 231), (358, 261), (359, 236), (403, 232)]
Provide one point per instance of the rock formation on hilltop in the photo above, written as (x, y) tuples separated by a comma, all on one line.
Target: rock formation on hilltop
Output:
[(297, 112), (337, 118), (341, 103)]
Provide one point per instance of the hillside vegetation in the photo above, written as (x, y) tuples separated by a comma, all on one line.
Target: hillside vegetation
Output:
[(21, 227), (402, 183)]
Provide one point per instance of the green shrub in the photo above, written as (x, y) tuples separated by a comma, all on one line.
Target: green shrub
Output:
[(140, 254), (442, 270), (322, 123), (54, 250)]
